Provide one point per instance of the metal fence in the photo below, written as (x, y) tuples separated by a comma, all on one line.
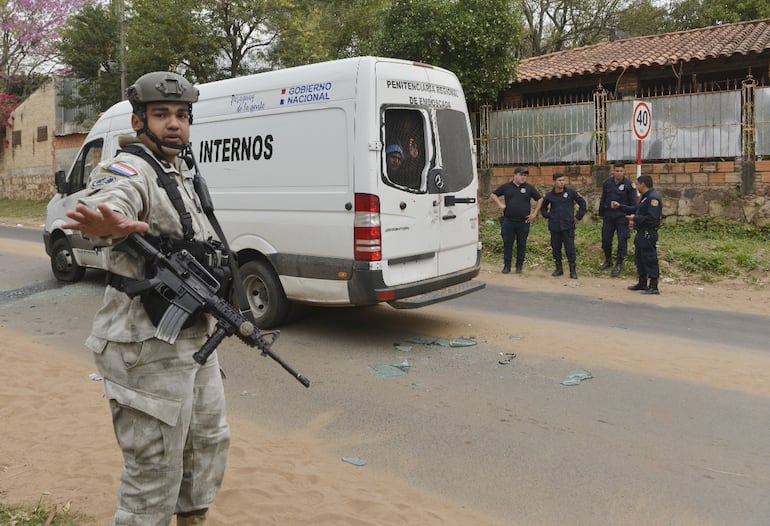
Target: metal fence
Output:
[(709, 125), (563, 133)]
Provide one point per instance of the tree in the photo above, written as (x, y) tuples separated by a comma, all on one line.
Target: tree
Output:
[(93, 56), (642, 17), (475, 39), (246, 28), (692, 14), (160, 35), (173, 35), (29, 30), (555, 25), (314, 31)]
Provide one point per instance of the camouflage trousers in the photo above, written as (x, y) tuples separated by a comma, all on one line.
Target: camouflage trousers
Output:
[(168, 414)]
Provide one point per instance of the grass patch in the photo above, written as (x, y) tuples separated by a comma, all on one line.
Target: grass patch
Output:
[(42, 514), (704, 249), (19, 208)]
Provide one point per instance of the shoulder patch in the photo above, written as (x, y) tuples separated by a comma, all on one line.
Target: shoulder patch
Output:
[(98, 183), (123, 169), (654, 202)]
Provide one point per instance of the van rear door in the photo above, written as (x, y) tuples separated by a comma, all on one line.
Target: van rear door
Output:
[(429, 213)]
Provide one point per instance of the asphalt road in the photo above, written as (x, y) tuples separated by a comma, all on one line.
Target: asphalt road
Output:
[(627, 447), (729, 328)]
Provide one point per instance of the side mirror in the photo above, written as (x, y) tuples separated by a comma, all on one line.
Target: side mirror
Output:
[(60, 179)]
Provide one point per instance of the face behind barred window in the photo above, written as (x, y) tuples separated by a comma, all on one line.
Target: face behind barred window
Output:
[(405, 129)]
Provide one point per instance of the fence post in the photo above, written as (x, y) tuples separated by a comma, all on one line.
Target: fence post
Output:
[(483, 152), (748, 135), (600, 124)]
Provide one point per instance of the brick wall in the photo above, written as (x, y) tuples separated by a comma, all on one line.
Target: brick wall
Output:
[(23, 187), (735, 190)]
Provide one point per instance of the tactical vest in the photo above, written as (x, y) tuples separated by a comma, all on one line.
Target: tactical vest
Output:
[(212, 254)]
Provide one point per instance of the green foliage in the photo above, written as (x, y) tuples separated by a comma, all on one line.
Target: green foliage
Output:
[(93, 56), (692, 14), (305, 38), (315, 31), (642, 17), (171, 35), (475, 39), (246, 29)]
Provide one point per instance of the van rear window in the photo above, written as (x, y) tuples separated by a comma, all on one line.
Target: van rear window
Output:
[(405, 161), (426, 151), (456, 157)]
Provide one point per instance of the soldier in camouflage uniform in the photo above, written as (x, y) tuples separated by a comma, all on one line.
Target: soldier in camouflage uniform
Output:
[(168, 412)]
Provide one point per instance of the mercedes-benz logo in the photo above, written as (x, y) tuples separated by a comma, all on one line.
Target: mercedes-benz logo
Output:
[(438, 180)]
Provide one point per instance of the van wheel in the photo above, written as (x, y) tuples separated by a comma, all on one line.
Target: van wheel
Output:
[(63, 263), (267, 299)]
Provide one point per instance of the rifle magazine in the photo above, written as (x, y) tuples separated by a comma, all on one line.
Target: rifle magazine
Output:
[(171, 323)]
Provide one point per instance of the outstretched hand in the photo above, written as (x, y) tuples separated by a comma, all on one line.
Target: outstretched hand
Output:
[(102, 221)]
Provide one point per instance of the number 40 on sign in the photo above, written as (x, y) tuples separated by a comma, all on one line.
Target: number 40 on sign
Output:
[(642, 120)]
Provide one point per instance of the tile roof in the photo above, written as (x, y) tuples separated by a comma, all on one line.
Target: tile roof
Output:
[(723, 41)]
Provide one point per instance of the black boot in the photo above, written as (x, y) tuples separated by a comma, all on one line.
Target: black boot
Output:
[(572, 271), (518, 268), (607, 260), (640, 285), (559, 270), (617, 269), (653, 288)]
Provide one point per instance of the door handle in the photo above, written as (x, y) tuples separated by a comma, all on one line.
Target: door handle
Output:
[(451, 200)]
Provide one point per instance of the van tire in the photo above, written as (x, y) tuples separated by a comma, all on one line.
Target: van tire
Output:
[(63, 264), (265, 294)]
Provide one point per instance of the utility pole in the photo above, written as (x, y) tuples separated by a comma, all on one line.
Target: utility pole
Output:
[(122, 54)]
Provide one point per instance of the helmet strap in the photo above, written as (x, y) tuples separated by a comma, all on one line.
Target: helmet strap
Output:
[(154, 138), (160, 144)]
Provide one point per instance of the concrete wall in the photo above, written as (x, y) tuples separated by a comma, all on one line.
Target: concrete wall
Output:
[(735, 190)]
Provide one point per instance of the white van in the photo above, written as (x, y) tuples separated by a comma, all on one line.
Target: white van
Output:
[(295, 160)]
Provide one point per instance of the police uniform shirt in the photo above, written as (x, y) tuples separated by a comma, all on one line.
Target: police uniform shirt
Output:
[(559, 208), (128, 184), (650, 211), (623, 192), (517, 199)]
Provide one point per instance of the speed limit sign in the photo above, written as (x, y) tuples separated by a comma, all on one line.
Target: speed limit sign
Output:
[(642, 120)]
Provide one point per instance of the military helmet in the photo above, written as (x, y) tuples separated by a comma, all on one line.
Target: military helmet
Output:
[(160, 86)]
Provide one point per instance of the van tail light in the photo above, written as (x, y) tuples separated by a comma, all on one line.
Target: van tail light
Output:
[(367, 235)]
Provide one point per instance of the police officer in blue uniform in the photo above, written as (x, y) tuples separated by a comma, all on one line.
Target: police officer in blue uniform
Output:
[(559, 209), (646, 221), (516, 205), (618, 199)]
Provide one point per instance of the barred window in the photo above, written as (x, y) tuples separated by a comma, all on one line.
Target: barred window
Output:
[(42, 133), (16, 138), (405, 162)]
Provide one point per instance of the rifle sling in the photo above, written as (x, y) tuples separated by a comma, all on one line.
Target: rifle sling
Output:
[(171, 187)]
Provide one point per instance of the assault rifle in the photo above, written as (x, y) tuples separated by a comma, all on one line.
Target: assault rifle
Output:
[(190, 289)]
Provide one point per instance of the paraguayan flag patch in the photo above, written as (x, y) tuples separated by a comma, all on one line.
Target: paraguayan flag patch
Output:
[(123, 169)]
